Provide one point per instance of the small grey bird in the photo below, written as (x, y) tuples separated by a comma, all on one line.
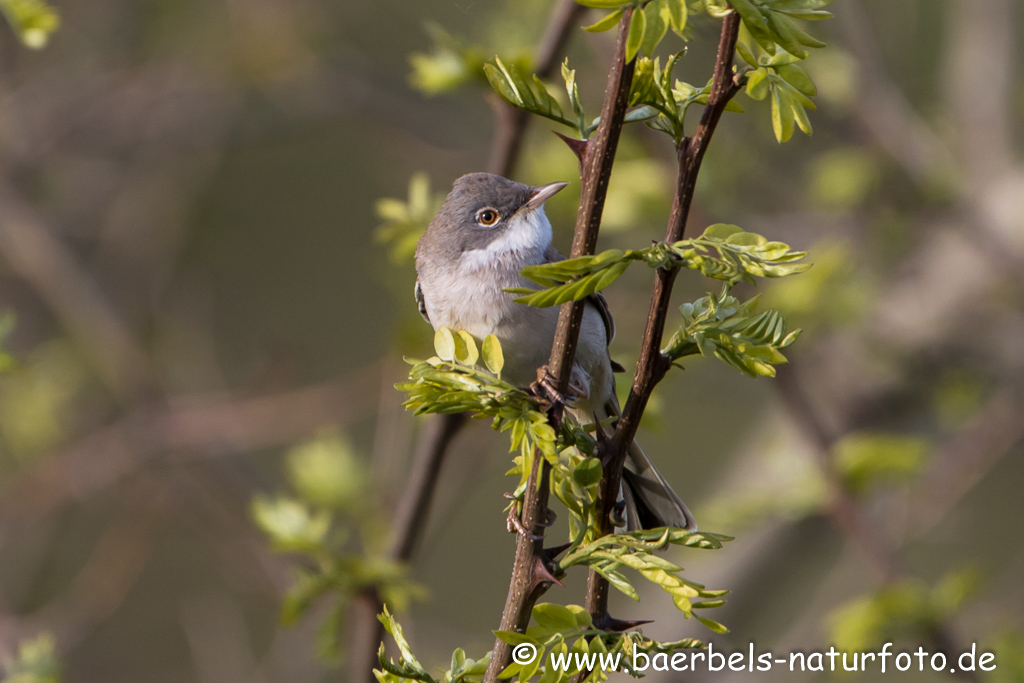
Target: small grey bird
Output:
[(488, 229)]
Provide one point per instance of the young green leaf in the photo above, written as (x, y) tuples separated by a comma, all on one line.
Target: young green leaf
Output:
[(444, 344), (465, 348), (492, 355), (607, 22), (656, 22), (635, 37), (677, 15)]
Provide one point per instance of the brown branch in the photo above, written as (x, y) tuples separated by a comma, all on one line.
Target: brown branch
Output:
[(408, 523), (653, 365), (531, 575), (406, 528)]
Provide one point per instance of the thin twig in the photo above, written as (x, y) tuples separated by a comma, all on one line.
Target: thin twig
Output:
[(406, 528), (434, 440), (531, 575), (653, 365)]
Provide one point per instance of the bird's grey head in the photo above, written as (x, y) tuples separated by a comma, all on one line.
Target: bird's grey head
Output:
[(486, 215)]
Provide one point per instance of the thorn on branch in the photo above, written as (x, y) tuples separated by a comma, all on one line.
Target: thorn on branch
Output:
[(549, 554), (578, 147), (542, 573), (606, 622)]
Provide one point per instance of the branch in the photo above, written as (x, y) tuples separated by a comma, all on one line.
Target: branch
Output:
[(653, 365), (530, 574), (433, 443), (406, 529)]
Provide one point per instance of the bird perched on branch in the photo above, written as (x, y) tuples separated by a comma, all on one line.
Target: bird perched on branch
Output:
[(488, 229)]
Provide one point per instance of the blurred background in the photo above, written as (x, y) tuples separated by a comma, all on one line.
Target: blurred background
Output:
[(211, 305)]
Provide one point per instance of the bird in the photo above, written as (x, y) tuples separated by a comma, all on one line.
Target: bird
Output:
[(487, 230)]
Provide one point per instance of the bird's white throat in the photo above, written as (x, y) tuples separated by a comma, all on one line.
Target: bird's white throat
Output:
[(523, 242)]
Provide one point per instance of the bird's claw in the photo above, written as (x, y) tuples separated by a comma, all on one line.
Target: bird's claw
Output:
[(514, 525), (545, 389)]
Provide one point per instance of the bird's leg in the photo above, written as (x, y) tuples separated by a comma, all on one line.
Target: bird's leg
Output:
[(515, 525), (545, 388)]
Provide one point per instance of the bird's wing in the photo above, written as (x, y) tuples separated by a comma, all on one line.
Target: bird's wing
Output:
[(596, 299), (421, 303)]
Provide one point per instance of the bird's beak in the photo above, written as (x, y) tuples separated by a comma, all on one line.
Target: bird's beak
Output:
[(542, 194)]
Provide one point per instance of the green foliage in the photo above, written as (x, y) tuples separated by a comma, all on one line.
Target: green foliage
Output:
[(733, 333), (403, 222), (907, 608), (525, 93), (865, 460), (648, 25), (465, 374), (451, 382), (607, 555), (738, 256), (291, 526), (33, 21), (331, 529), (36, 662), (564, 632), (771, 44), (408, 668), (662, 103), (449, 65)]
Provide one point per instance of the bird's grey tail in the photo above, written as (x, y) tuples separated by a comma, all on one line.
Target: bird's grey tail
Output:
[(650, 501)]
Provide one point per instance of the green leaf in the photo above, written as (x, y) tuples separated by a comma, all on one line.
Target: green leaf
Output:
[(291, 525), (502, 85), (798, 78), (607, 22), (554, 617), (782, 115), (677, 15), (757, 84), (514, 638), (588, 472), (493, 357), (444, 344), (635, 38), (755, 22), (713, 625), (656, 21), (782, 31), (602, 4), (465, 348)]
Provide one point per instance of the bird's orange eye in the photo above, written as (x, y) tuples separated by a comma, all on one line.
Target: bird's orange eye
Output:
[(487, 217)]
